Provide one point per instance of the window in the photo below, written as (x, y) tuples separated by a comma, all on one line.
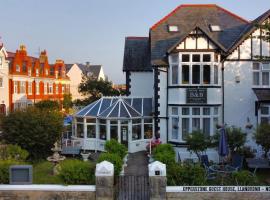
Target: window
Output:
[(175, 124), (215, 74), (51, 70), (37, 72), (136, 129), (24, 66), (102, 129), (185, 74), (45, 88), (46, 72), (174, 74), (80, 130), (196, 74), (16, 87), (29, 72), (193, 119), (173, 28), (114, 129), (56, 89), (50, 88), (264, 113), (148, 128), (1, 82), (261, 75), (91, 131), (63, 89), (29, 87), (185, 58), (206, 57), (196, 58), (17, 68), (206, 74), (37, 87), (215, 28), (174, 58), (22, 87)]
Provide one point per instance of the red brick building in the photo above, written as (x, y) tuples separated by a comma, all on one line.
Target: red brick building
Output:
[(34, 79)]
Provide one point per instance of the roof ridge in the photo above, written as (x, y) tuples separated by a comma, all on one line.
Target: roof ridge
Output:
[(136, 37), (197, 5)]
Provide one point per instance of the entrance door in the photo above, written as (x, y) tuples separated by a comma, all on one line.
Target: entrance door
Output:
[(124, 133)]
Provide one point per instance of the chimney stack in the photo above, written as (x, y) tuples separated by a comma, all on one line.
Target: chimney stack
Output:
[(87, 64)]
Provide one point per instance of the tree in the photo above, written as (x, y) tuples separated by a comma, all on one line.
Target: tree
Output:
[(197, 142), (47, 104), (67, 102), (35, 130), (262, 137)]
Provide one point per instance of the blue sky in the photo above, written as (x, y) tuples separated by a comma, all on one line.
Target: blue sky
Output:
[(94, 30)]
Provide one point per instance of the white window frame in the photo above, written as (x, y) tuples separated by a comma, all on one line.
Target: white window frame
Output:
[(212, 117), (29, 89), (261, 71), (50, 88), (171, 72), (260, 115), (37, 88), (22, 87), (171, 121)]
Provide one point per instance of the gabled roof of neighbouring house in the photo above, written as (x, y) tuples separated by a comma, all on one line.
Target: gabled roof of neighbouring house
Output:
[(201, 16), (87, 69), (137, 54)]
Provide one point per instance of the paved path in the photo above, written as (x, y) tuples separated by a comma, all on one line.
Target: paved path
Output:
[(137, 164)]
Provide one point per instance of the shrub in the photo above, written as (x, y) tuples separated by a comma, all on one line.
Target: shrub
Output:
[(115, 147), (262, 137), (187, 174), (42, 173), (114, 159), (197, 142), (247, 152), (4, 170), (47, 104), (244, 177), (12, 152), (164, 153), (76, 172), (34, 130)]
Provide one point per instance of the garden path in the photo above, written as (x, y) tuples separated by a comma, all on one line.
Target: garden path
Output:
[(137, 164)]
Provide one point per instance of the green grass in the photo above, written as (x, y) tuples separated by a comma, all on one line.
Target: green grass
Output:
[(42, 174)]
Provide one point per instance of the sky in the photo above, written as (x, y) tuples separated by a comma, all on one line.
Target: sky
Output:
[(78, 31)]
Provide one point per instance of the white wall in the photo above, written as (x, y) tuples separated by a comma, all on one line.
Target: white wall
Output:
[(4, 91), (75, 75), (141, 84)]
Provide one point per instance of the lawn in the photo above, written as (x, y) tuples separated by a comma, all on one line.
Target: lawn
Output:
[(42, 174)]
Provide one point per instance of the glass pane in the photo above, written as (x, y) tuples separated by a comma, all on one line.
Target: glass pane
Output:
[(185, 111), (105, 104), (102, 121), (264, 110), (79, 119), (256, 66), (215, 74), (114, 132), (174, 74), (91, 131), (206, 57), (265, 66), (185, 74), (91, 120), (195, 111), (215, 123), (196, 58), (206, 126), (185, 58), (256, 78), (206, 74), (174, 111), (136, 121), (174, 58), (79, 131), (148, 131), (123, 112), (114, 122), (147, 107), (195, 124), (265, 78), (175, 128), (196, 74), (149, 121), (137, 104), (215, 110), (264, 120), (115, 111), (94, 110), (185, 128), (102, 132), (136, 132), (124, 133), (206, 111)]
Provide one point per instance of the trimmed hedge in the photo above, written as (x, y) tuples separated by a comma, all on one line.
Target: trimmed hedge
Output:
[(77, 172), (4, 170), (164, 153), (114, 159)]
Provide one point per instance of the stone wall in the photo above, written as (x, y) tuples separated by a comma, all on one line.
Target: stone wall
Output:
[(218, 195), (46, 195)]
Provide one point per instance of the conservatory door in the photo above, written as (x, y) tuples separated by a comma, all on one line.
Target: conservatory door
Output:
[(124, 133)]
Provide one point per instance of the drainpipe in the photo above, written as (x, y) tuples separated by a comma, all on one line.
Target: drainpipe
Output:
[(222, 68)]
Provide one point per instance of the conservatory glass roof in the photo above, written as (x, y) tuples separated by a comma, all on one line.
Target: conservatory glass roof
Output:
[(118, 107)]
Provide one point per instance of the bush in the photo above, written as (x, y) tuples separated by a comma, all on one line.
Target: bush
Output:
[(115, 147), (12, 152), (247, 152), (164, 153), (34, 130), (197, 142), (262, 137), (187, 174), (4, 170), (77, 172), (47, 104), (244, 178), (43, 173), (114, 159)]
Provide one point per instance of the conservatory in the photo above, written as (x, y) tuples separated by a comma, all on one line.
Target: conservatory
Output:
[(128, 120)]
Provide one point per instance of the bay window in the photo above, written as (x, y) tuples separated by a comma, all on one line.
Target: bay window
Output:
[(206, 74), (185, 74), (261, 75), (174, 74), (264, 114), (196, 74), (102, 129)]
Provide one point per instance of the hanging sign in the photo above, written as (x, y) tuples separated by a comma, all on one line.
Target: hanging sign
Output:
[(196, 95)]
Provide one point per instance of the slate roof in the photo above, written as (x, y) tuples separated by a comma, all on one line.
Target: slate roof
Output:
[(137, 54), (188, 17), (94, 70)]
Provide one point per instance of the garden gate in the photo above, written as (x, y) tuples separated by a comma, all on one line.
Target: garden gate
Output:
[(132, 188)]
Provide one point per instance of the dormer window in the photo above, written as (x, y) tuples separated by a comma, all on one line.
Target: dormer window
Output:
[(173, 28), (215, 28)]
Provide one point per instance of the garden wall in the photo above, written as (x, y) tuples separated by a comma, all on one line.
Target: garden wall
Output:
[(47, 192)]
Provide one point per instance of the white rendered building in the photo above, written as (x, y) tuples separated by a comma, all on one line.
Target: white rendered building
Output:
[(4, 87)]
